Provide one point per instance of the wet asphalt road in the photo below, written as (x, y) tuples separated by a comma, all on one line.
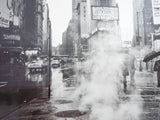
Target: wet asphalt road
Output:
[(11, 102), (62, 87)]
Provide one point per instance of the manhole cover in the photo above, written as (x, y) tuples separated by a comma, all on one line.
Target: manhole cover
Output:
[(70, 113), (63, 101)]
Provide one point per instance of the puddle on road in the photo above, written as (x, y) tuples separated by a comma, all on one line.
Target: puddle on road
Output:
[(63, 101), (35, 112), (70, 113), (38, 112)]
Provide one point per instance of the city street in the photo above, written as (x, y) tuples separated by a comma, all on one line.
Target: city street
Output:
[(63, 105), (80, 60)]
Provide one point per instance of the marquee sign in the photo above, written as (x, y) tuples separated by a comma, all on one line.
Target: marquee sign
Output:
[(105, 13)]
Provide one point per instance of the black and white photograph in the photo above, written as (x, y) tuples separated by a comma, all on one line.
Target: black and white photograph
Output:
[(79, 59)]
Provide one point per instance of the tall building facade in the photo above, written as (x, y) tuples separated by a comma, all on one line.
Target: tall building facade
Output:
[(70, 37), (39, 22), (143, 22), (32, 28), (28, 22), (46, 29), (82, 26)]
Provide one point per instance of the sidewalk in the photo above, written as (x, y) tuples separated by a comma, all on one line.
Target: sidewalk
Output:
[(145, 79), (146, 85), (49, 109)]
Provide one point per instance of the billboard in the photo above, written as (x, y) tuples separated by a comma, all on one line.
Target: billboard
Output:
[(156, 11), (10, 40), (105, 13), (5, 14)]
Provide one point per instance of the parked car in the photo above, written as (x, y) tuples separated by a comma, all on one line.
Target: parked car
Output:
[(55, 63), (35, 64)]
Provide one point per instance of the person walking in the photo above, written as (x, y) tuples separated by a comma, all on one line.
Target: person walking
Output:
[(128, 69), (132, 69), (157, 68), (125, 73)]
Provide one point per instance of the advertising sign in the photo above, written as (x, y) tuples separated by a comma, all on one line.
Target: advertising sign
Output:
[(156, 11), (10, 40), (4, 22), (105, 13), (4, 14), (11, 37)]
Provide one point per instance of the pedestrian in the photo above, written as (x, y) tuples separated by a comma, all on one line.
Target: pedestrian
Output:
[(132, 69), (128, 69), (62, 62), (125, 73), (140, 65), (157, 68)]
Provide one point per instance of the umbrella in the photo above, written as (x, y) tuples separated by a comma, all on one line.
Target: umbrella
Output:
[(151, 55)]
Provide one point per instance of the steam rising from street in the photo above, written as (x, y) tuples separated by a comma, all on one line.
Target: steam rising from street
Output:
[(101, 87)]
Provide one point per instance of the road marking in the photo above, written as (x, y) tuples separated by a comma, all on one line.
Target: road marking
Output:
[(3, 85), (3, 82)]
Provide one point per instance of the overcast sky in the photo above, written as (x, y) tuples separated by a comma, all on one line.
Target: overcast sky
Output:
[(60, 14), (126, 19)]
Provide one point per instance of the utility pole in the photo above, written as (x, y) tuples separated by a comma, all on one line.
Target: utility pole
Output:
[(49, 55), (49, 65)]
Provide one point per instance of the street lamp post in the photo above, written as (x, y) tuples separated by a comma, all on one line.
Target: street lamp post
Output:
[(49, 57)]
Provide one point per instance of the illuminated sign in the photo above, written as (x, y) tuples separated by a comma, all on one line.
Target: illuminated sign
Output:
[(11, 37), (156, 11), (105, 13)]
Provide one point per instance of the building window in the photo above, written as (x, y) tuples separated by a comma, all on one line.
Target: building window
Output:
[(104, 2)]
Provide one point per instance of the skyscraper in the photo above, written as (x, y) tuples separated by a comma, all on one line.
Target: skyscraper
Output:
[(32, 23)]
